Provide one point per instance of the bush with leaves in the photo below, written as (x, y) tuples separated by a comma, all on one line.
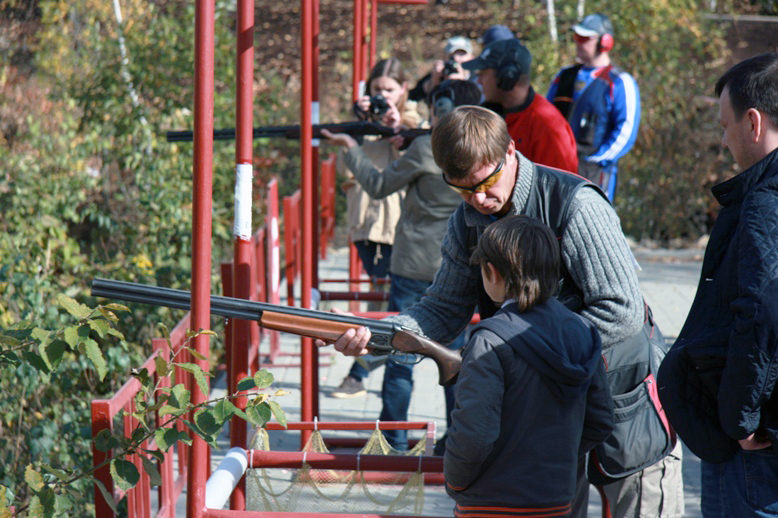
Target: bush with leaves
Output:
[(49, 485)]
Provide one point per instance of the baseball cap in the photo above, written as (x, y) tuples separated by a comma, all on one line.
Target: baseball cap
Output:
[(501, 53), (594, 25), (495, 33), (456, 43)]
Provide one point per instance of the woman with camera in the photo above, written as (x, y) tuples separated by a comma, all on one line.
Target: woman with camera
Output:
[(371, 222)]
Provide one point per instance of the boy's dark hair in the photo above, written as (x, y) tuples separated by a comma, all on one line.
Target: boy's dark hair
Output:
[(753, 83), (525, 252)]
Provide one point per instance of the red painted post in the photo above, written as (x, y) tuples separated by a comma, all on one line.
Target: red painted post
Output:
[(363, 54), (101, 420), (242, 231), (201, 233), (273, 258), (356, 65), (314, 222), (373, 32), (309, 357)]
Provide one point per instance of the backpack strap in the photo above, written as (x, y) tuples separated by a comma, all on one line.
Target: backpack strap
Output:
[(563, 99)]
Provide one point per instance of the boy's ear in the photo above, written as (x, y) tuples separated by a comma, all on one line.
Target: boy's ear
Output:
[(492, 273)]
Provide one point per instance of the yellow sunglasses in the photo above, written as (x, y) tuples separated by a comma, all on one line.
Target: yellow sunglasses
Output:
[(482, 186)]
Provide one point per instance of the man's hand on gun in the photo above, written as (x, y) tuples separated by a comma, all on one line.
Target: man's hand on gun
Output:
[(351, 343)]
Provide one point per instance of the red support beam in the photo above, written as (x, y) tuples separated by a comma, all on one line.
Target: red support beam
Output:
[(309, 392), (201, 232), (243, 249), (373, 32)]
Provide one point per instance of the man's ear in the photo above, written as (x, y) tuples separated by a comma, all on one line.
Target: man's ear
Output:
[(756, 124), (511, 147)]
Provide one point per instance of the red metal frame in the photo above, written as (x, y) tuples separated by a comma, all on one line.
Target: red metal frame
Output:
[(292, 243), (201, 233), (243, 274), (327, 209), (104, 412), (273, 261)]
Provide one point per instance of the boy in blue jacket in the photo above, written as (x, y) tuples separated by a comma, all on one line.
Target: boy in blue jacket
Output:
[(532, 398)]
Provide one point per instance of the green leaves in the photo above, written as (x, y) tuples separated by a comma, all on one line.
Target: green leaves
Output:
[(5, 502), (167, 437), (277, 412), (93, 352), (124, 474), (33, 478), (263, 379), (76, 309), (198, 374)]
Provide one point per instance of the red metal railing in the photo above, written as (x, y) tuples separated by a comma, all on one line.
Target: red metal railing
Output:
[(327, 209), (104, 413)]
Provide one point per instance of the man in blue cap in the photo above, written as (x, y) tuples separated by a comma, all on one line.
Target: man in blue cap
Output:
[(538, 130), (601, 102), (495, 33)]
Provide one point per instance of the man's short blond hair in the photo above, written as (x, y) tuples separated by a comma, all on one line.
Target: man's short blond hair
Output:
[(467, 137)]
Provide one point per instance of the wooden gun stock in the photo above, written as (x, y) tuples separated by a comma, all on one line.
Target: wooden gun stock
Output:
[(447, 360)]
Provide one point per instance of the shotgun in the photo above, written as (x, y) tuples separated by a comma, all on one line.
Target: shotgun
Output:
[(386, 337), (355, 129)]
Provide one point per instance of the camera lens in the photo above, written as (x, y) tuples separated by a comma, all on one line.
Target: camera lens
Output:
[(378, 107)]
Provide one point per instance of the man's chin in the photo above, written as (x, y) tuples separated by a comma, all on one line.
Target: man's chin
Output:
[(486, 211)]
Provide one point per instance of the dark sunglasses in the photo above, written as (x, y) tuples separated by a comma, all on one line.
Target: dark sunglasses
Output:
[(482, 186), (580, 39)]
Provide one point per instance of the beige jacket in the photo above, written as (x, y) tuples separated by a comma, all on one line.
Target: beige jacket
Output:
[(369, 219)]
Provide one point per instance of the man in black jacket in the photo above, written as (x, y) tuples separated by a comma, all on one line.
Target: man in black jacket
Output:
[(717, 384)]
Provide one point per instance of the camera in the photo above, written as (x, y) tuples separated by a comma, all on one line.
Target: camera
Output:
[(378, 107), (450, 67)]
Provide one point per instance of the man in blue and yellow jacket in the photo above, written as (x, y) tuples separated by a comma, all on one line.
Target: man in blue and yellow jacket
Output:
[(601, 102)]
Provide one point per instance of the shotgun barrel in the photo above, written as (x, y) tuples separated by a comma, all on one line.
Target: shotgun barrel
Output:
[(386, 337)]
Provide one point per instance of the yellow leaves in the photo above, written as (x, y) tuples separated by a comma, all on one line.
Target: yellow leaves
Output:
[(143, 263)]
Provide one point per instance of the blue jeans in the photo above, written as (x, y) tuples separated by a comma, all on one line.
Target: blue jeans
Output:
[(398, 376), (375, 257), (744, 486)]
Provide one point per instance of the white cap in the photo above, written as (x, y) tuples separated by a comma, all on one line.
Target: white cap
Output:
[(456, 43)]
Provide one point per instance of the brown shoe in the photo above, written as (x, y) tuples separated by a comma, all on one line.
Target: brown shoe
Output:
[(349, 387)]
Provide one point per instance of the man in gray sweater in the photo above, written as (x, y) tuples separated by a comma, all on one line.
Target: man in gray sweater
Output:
[(479, 161)]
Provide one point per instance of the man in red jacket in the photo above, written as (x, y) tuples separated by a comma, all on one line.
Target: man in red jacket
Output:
[(535, 125)]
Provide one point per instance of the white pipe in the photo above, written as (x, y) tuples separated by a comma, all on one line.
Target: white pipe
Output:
[(224, 480)]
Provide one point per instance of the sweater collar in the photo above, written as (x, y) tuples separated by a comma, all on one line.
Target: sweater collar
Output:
[(735, 189)]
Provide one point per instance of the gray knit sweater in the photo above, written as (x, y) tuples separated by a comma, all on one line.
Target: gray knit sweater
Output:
[(594, 252)]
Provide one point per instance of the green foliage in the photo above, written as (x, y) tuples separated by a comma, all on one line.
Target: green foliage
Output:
[(90, 188), (47, 487)]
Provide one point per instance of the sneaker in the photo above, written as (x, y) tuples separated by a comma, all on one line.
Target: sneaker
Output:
[(350, 387)]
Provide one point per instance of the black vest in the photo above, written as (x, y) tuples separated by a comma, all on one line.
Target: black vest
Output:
[(550, 196)]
